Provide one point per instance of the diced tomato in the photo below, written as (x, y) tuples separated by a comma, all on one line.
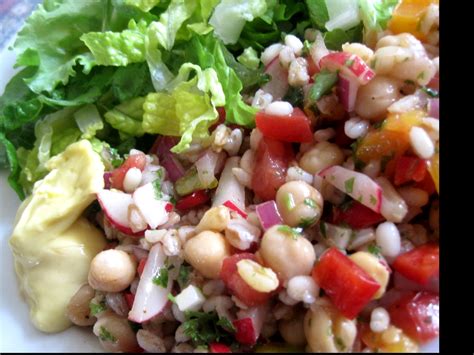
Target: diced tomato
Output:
[(419, 264), (409, 169), (129, 298), (357, 216), (141, 266), (229, 204), (236, 284), (169, 207), (272, 160), (407, 17), (193, 200), (426, 184), (347, 285), (295, 127), (245, 331), (219, 348), (133, 161), (417, 314)]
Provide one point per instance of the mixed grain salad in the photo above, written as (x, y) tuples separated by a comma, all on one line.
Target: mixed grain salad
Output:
[(266, 173)]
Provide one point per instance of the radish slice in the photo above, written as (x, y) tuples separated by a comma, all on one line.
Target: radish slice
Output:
[(150, 299), (152, 209), (318, 49), (433, 108), (347, 88), (278, 85), (233, 207), (268, 214), (357, 185), (229, 189), (162, 148), (349, 64), (394, 207), (115, 204), (249, 324)]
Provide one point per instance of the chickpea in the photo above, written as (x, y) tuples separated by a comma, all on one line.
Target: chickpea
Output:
[(112, 270), (78, 310), (372, 266), (292, 331), (299, 203), (374, 98), (327, 330), (206, 251), (288, 255), (115, 334), (321, 156)]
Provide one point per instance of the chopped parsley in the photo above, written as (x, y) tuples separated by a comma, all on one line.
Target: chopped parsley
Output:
[(204, 328), (409, 82), (97, 308), (340, 344), (306, 48), (430, 92), (306, 222), (349, 185), (157, 189), (421, 76), (324, 81), (105, 335), (373, 200), (161, 278), (322, 228), (374, 249), (349, 62), (310, 202), (115, 158), (183, 275), (294, 232), (295, 96)]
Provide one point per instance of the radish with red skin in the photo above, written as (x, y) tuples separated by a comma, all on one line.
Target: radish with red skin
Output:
[(150, 299), (115, 205), (278, 85), (347, 88), (357, 185), (152, 209), (129, 298), (348, 64), (249, 324), (197, 198), (229, 204), (218, 348), (433, 108)]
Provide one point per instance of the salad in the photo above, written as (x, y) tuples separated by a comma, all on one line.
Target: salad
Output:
[(228, 175)]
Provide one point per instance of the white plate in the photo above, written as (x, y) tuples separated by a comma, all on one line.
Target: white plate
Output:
[(17, 333)]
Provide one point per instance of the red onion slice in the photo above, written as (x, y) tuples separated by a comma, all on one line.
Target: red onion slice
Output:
[(268, 214), (347, 88)]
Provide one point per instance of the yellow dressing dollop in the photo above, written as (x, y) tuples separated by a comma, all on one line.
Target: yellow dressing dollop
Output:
[(52, 244)]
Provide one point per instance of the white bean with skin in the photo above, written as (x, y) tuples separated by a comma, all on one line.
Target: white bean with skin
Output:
[(292, 330), (356, 127), (421, 143), (387, 237), (279, 108)]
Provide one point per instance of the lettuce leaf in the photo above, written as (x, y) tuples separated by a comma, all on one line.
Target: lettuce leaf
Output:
[(249, 58), (117, 48), (318, 13), (230, 16), (88, 120), (188, 110), (10, 153), (127, 117), (376, 13), (144, 5)]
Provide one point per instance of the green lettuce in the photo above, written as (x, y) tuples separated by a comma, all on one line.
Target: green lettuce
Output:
[(376, 13), (249, 58), (127, 117), (88, 121), (230, 16), (144, 5), (188, 110)]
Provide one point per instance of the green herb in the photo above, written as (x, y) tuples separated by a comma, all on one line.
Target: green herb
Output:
[(289, 202), (310, 202), (373, 200), (157, 189), (204, 328), (171, 298), (295, 96), (226, 324), (161, 278), (409, 82), (105, 335), (306, 48), (420, 76), (115, 158), (322, 228), (429, 91), (294, 232), (349, 62), (97, 308), (374, 249), (340, 344), (324, 81), (358, 164), (349, 185), (306, 222), (183, 275)]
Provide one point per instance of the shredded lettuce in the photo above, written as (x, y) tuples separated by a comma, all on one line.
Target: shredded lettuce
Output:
[(88, 120), (376, 13), (249, 58), (230, 16), (127, 117), (144, 5)]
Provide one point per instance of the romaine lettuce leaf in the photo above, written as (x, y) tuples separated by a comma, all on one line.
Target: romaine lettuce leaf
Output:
[(127, 117), (249, 58), (144, 5)]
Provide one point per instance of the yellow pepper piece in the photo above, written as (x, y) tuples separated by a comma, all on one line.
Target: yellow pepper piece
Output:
[(407, 16), (403, 122), (391, 340)]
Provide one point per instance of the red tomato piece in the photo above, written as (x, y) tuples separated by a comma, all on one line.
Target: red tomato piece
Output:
[(312, 67), (417, 314), (295, 127), (219, 348), (236, 284), (141, 266), (409, 169), (419, 264), (427, 184), (129, 298), (133, 161), (347, 285), (245, 331), (357, 216), (193, 200), (272, 160)]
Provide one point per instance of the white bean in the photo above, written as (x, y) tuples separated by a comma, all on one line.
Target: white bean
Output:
[(279, 108), (261, 99), (294, 43), (270, 53), (421, 143), (132, 179), (387, 237), (356, 127), (303, 288), (379, 320)]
